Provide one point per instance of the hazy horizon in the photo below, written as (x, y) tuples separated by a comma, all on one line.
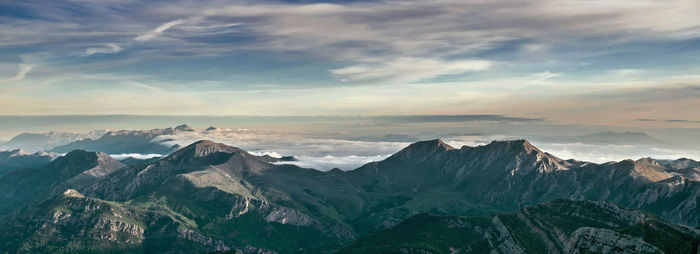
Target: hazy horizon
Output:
[(325, 142)]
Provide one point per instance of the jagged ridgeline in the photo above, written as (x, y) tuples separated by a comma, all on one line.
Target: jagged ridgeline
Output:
[(211, 197)]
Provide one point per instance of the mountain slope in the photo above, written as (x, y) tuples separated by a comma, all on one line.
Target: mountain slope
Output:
[(560, 226), (72, 223), (508, 175), (24, 187), (225, 191)]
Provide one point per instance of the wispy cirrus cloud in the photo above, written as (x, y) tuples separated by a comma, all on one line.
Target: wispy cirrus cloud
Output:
[(111, 48), (457, 57), (158, 30), (428, 32), (407, 69), (21, 73)]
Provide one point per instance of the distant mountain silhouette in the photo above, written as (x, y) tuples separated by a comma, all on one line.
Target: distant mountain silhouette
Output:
[(17, 159), (127, 141), (34, 142)]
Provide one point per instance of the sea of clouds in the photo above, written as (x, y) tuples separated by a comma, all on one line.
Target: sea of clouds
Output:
[(324, 153), (311, 151)]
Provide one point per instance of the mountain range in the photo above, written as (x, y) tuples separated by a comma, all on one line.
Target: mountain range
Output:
[(213, 197), (34, 142), (127, 141), (111, 142)]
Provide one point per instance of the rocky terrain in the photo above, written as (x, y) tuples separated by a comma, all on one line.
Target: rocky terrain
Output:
[(560, 226), (213, 197)]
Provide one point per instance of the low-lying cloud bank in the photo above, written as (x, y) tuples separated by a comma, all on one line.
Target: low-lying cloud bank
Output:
[(295, 144), (135, 156), (328, 153), (311, 152), (605, 153), (327, 162)]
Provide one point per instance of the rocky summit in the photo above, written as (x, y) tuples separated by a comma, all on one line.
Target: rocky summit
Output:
[(503, 197)]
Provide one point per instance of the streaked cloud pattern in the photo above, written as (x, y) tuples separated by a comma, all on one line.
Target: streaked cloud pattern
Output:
[(573, 62)]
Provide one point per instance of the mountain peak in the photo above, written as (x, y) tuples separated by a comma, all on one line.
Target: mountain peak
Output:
[(203, 148), (423, 150), (184, 127), (430, 145), (524, 152), (81, 156), (79, 161), (216, 152), (512, 146), (516, 143)]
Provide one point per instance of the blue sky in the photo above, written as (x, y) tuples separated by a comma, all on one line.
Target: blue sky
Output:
[(569, 61)]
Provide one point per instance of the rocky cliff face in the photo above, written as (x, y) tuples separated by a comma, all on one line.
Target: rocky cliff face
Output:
[(598, 240)]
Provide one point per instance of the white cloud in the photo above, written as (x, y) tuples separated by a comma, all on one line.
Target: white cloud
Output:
[(261, 142), (21, 74), (612, 152), (111, 48), (135, 156), (312, 152), (408, 69), (328, 153), (329, 162), (158, 30)]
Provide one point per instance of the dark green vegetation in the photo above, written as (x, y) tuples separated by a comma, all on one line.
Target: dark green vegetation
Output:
[(560, 226), (24, 188), (213, 197)]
